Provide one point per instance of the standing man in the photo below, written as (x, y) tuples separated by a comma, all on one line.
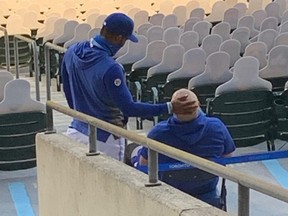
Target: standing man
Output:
[(94, 84)]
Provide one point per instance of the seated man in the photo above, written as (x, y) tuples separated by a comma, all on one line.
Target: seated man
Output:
[(197, 134)]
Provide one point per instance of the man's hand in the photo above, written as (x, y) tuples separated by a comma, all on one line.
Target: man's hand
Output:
[(182, 106)]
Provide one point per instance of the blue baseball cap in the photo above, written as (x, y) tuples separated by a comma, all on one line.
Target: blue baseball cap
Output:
[(120, 24)]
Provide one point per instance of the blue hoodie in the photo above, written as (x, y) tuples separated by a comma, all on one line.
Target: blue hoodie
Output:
[(94, 84), (204, 136)]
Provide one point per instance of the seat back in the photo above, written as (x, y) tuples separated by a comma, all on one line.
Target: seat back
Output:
[(68, 32), (20, 119), (273, 10), (153, 56), (171, 60), (211, 44), (259, 16), (231, 16), (171, 35), (189, 40), (93, 32), (269, 23), (283, 27), (155, 33), (233, 48), (281, 39), (58, 30), (216, 71), (5, 77), (189, 23), (181, 12), (17, 98), (193, 65), (141, 17), (268, 37), (156, 19), (142, 29), (80, 34), (245, 77), (248, 116), (277, 63), (169, 20), (248, 21), (203, 29), (223, 29), (198, 13), (242, 34), (136, 52), (259, 51), (217, 13)]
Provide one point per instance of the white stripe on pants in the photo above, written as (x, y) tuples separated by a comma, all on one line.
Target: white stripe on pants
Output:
[(112, 147)]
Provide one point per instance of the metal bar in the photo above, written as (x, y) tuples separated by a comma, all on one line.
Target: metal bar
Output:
[(243, 200), (36, 69), (7, 49), (47, 71), (50, 124), (47, 48), (152, 168), (16, 57), (246, 180), (35, 58), (93, 150)]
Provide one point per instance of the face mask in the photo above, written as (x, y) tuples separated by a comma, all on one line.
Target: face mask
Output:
[(110, 47)]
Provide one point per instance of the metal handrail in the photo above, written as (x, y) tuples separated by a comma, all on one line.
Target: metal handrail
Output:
[(35, 59), (244, 181), (47, 47), (7, 51)]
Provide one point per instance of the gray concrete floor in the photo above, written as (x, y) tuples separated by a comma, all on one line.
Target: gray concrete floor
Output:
[(260, 205)]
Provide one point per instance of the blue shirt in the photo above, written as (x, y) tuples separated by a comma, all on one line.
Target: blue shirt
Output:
[(94, 84), (204, 136)]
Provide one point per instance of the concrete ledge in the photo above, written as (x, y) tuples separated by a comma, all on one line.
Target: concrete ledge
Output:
[(72, 184)]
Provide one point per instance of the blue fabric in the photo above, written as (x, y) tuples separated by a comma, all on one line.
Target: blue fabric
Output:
[(110, 47), (94, 84), (205, 137)]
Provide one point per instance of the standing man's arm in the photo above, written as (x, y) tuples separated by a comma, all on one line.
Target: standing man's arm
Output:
[(229, 145), (66, 84)]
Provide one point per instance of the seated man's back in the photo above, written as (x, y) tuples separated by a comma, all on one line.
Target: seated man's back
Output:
[(197, 134)]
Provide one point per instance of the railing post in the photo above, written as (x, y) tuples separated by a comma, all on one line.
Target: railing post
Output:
[(93, 150), (243, 200), (7, 51), (50, 124), (152, 168), (36, 69), (16, 57), (47, 71)]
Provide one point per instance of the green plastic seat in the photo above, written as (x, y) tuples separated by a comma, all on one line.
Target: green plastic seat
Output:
[(281, 109), (248, 115), (205, 92), (17, 139)]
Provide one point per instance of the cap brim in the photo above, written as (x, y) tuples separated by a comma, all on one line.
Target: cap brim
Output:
[(133, 38)]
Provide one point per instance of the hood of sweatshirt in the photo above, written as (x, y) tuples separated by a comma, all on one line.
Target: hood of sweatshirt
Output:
[(84, 56)]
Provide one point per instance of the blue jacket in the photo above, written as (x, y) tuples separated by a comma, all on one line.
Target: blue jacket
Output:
[(94, 84), (204, 136)]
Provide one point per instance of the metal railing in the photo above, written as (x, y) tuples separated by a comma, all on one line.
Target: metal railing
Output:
[(7, 51), (245, 182), (35, 59), (47, 48)]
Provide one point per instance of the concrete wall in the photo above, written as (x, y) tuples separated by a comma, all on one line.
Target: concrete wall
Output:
[(72, 184)]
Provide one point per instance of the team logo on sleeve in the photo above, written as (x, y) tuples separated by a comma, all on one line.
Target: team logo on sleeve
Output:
[(117, 82)]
